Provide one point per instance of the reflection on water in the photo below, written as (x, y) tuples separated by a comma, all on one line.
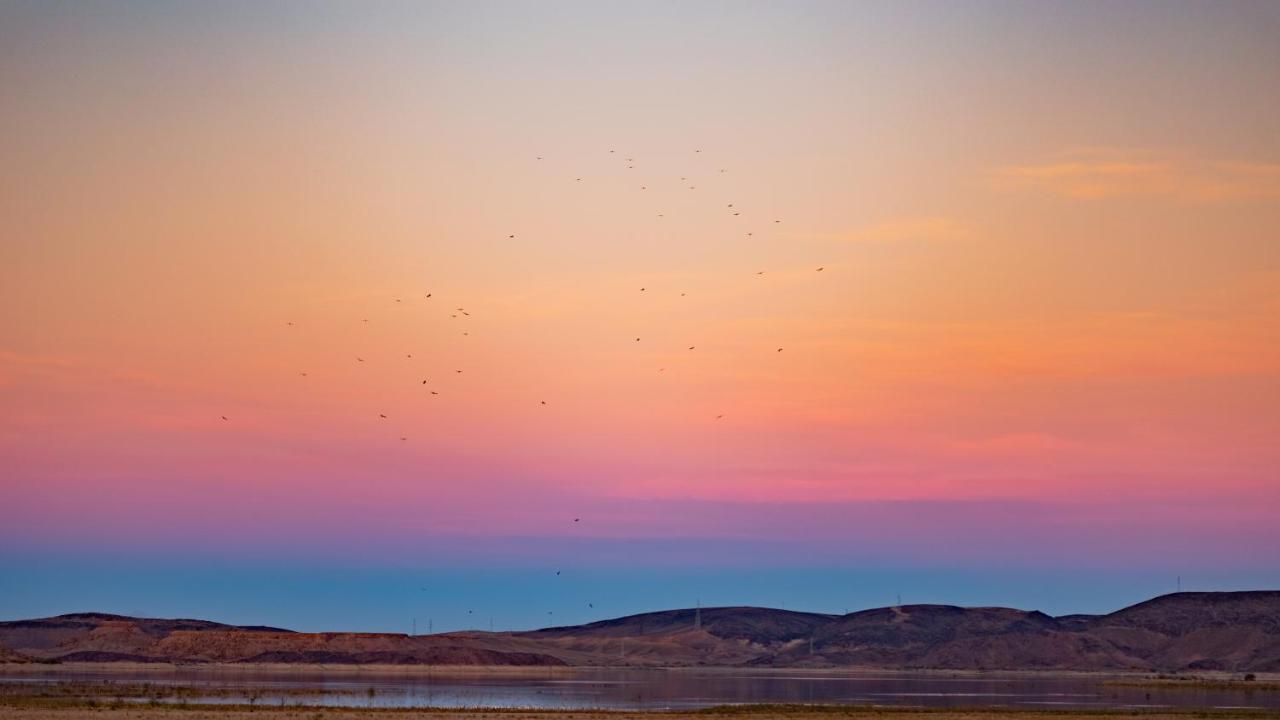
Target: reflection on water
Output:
[(655, 689)]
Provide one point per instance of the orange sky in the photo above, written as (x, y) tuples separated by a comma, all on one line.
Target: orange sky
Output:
[(1048, 244)]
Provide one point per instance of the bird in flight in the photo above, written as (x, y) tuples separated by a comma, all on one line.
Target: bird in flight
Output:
[(719, 416), (691, 347), (779, 349), (544, 402), (424, 382), (359, 359), (384, 417), (576, 519), (224, 417), (818, 270)]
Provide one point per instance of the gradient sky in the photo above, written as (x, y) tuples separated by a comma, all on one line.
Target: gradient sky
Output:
[(1039, 367)]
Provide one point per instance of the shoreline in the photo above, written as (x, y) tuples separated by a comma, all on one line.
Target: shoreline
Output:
[(1161, 678)]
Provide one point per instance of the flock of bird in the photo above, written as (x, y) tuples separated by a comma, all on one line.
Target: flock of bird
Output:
[(731, 208)]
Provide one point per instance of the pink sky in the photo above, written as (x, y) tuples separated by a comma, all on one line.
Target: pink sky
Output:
[(1048, 314)]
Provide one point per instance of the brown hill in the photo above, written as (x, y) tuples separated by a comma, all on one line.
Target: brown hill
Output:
[(1237, 631)]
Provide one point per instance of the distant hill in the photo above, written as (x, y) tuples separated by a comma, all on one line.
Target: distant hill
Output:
[(1231, 631)]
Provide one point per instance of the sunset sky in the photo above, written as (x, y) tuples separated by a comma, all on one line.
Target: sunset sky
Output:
[(1039, 366)]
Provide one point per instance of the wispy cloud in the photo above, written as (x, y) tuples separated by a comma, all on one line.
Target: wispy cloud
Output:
[(1112, 173)]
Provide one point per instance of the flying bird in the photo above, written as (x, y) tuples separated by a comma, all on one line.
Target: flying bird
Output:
[(779, 349), (818, 270), (691, 347), (544, 402), (384, 417), (224, 417)]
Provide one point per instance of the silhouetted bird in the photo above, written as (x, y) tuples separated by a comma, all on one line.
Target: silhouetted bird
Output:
[(224, 417), (384, 417), (779, 349), (818, 270)]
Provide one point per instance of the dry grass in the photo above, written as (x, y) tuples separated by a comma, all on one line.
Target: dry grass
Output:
[(84, 711)]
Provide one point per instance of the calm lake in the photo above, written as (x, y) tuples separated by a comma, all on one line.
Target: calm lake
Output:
[(656, 689)]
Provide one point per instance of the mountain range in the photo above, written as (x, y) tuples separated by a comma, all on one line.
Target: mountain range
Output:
[(1229, 631)]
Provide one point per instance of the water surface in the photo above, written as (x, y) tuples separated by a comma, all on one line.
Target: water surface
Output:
[(651, 689)]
